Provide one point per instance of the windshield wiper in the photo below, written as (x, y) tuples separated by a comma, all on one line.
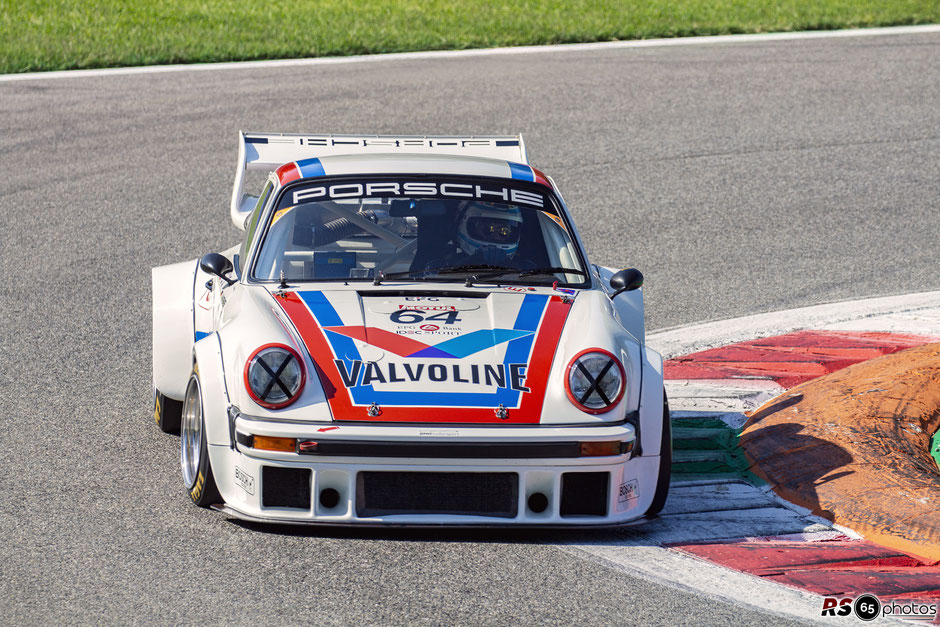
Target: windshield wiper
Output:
[(522, 273), (474, 266), (553, 270), (382, 276), (493, 272)]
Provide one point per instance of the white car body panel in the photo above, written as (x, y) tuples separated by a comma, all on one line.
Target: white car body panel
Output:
[(340, 474), (173, 326), (627, 308), (337, 329)]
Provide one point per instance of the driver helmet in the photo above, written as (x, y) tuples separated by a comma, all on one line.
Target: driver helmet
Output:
[(488, 228)]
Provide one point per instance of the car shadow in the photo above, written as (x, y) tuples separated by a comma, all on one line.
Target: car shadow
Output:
[(795, 463), (456, 535)]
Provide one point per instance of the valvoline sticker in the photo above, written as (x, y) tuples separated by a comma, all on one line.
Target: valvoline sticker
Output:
[(406, 364)]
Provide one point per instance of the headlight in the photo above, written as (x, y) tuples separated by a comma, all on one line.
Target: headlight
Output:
[(595, 381), (274, 376)]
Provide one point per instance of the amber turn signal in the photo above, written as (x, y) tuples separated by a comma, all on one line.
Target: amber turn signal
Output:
[(268, 443), (600, 449)]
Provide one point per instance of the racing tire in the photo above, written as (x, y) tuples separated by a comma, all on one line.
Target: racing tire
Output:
[(665, 464), (167, 412), (194, 450)]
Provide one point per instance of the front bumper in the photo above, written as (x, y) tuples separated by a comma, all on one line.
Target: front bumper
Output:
[(449, 475)]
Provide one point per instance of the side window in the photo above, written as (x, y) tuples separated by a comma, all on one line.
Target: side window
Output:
[(252, 227)]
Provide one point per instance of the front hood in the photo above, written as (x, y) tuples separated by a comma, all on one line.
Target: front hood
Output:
[(390, 356)]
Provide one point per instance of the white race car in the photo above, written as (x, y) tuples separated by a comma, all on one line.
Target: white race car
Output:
[(410, 333)]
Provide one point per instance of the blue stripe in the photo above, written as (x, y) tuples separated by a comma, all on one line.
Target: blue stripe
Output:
[(521, 172), (256, 140), (530, 313), (517, 352), (506, 143), (470, 343), (321, 308), (198, 335), (311, 167)]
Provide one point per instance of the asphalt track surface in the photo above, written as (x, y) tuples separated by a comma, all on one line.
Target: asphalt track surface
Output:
[(740, 178)]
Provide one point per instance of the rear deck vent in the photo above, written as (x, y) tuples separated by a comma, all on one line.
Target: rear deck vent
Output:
[(285, 487), (584, 493)]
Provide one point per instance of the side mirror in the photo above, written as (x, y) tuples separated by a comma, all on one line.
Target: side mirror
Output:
[(626, 281), (214, 263)]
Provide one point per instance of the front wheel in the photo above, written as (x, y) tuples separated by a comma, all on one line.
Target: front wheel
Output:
[(665, 463), (194, 450)]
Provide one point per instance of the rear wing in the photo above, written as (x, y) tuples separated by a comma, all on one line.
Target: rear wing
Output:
[(268, 151)]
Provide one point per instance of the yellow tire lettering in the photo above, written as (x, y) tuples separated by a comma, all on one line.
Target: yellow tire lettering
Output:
[(156, 409), (196, 369), (196, 492)]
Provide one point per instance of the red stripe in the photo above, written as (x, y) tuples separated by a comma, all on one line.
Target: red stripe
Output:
[(541, 178), (845, 568), (386, 340), (792, 358), (319, 350), (287, 173), (529, 411)]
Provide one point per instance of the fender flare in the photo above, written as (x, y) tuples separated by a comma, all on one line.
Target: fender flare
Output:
[(651, 403), (173, 334), (207, 356)]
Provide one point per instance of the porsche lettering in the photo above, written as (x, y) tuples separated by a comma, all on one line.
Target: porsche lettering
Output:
[(417, 188)]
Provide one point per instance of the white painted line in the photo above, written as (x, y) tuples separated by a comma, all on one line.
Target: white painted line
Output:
[(718, 510), (692, 574), (919, 309), (728, 396), (689, 573), (479, 52), (915, 322)]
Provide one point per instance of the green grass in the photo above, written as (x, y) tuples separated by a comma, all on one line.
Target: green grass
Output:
[(54, 35)]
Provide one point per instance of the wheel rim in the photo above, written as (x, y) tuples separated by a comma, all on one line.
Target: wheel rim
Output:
[(191, 433)]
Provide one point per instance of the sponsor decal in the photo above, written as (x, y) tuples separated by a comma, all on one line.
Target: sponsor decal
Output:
[(280, 214), (245, 481), (204, 301), (868, 607), (418, 379), (422, 303), (427, 321), (361, 373), (416, 189), (629, 491), (324, 429)]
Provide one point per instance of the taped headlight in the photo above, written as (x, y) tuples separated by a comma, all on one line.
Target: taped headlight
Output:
[(274, 376), (595, 381)]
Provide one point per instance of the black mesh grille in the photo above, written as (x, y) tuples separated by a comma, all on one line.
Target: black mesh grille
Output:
[(584, 493), (285, 487), (459, 493)]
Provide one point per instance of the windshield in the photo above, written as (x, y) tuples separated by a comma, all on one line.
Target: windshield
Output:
[(420, 229)]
